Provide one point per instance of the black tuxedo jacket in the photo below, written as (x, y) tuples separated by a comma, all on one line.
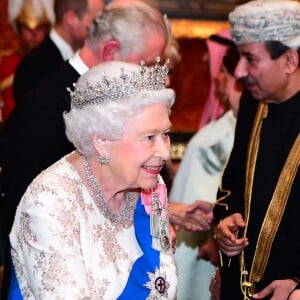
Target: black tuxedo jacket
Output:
[(33, 136), (35, 67)]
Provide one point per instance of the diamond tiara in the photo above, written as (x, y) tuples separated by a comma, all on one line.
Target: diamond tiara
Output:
[(123, 86)]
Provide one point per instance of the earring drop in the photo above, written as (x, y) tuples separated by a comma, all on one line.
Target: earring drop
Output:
[(103, 159)]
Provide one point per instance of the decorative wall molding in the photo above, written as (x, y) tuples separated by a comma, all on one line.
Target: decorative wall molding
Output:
[(198, 9)]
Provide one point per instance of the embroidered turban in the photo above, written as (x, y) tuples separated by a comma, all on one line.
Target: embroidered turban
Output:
[(266, 20)]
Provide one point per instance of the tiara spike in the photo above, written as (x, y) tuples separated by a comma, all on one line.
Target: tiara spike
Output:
[(122, 86)]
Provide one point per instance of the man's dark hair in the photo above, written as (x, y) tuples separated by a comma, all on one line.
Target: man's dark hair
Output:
[(61, 6), (276, 48)]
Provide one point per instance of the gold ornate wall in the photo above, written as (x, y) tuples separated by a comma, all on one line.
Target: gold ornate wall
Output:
[(185, 28)]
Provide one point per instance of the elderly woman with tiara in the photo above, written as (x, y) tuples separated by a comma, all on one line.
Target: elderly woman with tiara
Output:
[(95, 224)]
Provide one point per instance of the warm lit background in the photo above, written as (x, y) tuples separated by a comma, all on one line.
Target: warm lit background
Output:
[(193, 21)]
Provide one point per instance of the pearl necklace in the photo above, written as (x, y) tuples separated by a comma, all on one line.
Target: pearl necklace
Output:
[(125, 216)]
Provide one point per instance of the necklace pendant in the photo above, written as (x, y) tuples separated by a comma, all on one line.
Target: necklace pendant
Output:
[(160, 233), (164, 235), (156, 205)]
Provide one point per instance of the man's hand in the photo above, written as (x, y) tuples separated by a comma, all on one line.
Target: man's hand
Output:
[(192, 217), (209, 251), (279, 290), (295, 295), (226, 235)]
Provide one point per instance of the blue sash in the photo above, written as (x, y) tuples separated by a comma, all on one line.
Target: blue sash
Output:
[(148, 262), (14, 292)]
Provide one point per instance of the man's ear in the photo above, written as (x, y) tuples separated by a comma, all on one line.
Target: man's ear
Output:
[(111, 50), (291, 60), (70, 18)]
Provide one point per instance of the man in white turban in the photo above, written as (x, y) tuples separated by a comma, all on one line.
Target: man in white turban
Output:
[(258, 212)]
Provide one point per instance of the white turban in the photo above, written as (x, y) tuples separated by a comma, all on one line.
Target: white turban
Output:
[(266, 20)]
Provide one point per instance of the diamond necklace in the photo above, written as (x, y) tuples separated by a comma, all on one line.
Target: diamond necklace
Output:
[(125, 216)]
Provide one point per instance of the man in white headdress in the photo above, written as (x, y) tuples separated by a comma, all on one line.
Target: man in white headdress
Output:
[(258, 216), (31, 20)]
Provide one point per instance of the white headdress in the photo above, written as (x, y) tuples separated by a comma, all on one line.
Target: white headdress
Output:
[(266, 20), (30, 12)]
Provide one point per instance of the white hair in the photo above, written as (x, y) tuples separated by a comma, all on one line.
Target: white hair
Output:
[(106, 119), (129, 25)]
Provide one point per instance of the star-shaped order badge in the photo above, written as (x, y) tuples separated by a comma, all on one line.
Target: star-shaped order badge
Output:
[(158, 285)]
